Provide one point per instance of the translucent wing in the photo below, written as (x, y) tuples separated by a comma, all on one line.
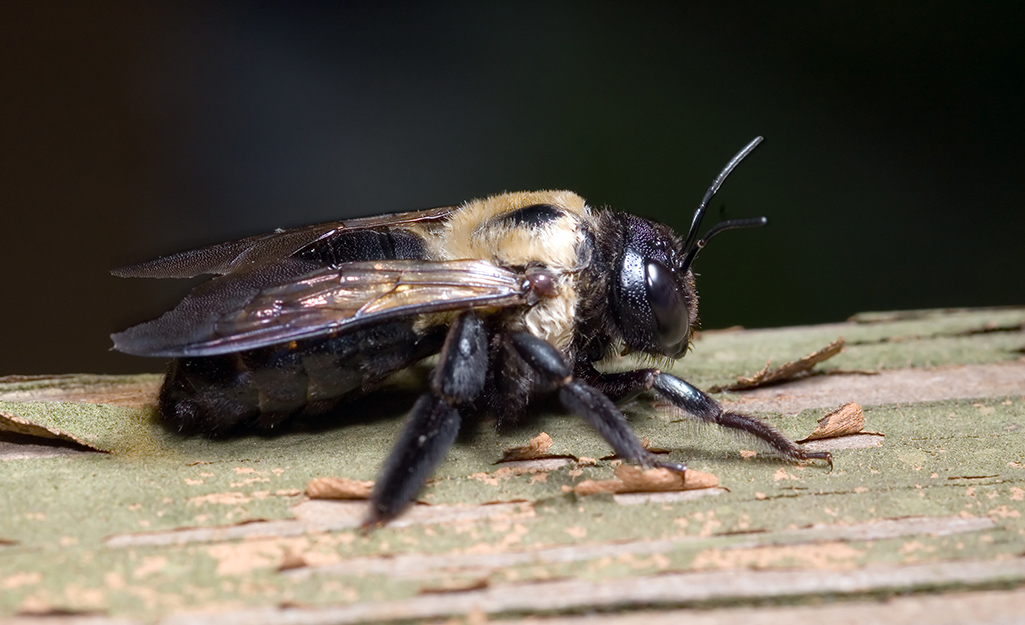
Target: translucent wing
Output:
[(240, 311), (225, 258)]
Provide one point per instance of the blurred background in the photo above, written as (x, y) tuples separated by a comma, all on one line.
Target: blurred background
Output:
[(892, 171)]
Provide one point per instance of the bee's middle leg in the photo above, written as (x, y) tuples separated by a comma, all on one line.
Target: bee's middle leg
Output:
[(434, 420), (586, 401)]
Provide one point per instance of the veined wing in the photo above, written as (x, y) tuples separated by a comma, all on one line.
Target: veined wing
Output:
[(322, 302), (225, 258)]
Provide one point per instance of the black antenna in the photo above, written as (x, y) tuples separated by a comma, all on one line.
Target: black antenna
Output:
[(692, 245)]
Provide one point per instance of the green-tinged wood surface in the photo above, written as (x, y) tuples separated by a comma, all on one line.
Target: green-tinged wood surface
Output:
[(153, 527)]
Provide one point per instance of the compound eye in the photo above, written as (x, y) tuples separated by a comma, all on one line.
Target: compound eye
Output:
[(667, 304)]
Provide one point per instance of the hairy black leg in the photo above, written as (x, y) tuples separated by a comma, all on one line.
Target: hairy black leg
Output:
[(587, 402), (697, 403), (432, 428), (434, 420), (620, 386)]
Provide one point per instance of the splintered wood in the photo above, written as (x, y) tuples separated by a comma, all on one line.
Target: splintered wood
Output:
[(789, 371), (20, 426), (844, 421), (537, 448), (631, 479), (338, 488)]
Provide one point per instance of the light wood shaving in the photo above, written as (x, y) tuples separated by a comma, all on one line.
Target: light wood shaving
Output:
[(846, 420), (536, 448), (632, 479), (789, 371), (338, 488)]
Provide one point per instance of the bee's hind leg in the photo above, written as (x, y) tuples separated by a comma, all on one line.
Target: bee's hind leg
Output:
[(434, 420), (586, 401)]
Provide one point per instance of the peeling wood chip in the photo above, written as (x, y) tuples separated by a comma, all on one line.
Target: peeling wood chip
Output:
[(784, 373), (847, 419), (292, 560), (536, 448), (631, 479), (338, 488), (20, 426)]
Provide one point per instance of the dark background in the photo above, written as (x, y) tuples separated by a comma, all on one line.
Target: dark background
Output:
[(892, 171)]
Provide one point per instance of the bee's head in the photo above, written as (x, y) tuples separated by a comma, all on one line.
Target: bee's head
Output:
[(654, 297)]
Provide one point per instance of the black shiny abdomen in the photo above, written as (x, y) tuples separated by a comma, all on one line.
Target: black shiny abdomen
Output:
[(360, 245), (260, 388)]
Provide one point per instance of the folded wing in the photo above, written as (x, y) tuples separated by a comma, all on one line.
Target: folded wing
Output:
[(293, 300), (245, 254)]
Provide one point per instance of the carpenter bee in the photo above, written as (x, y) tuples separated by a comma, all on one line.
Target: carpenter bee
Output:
[(519, 295)]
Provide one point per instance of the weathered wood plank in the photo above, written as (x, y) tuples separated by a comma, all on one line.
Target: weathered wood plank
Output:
[(161, 528)]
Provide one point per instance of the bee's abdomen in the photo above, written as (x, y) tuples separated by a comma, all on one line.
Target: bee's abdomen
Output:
[(361, 245), (260, 388)]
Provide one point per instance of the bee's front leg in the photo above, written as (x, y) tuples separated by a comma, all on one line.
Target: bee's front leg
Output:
[(434, 420), (691, 399), (627, 384), (586, 401)]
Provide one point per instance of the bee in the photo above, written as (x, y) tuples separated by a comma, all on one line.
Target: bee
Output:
[(519, 295)]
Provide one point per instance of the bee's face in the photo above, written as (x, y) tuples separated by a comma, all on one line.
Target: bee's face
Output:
[(654, 297)]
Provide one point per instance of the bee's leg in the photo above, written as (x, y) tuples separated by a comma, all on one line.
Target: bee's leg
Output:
[(697, 403), (431, 429), (586, 401), (620, 386), (433, 422), (627, 384)]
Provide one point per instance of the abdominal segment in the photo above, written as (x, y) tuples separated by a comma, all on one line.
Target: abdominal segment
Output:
[(261, 388)]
